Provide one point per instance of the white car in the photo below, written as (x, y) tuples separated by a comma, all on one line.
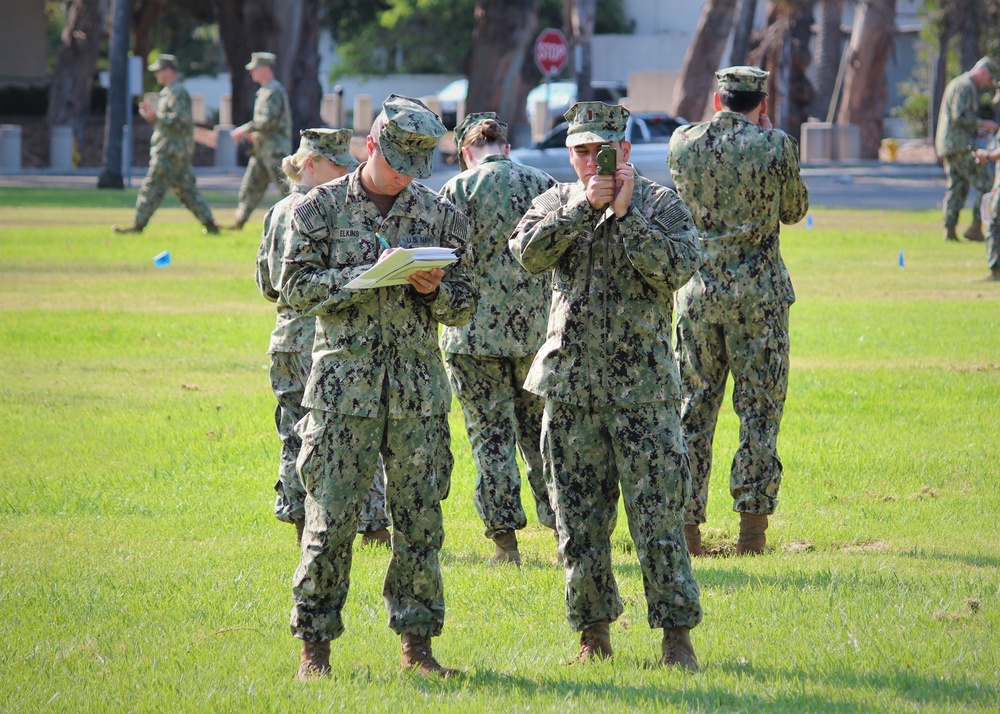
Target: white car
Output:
[(649, 133), (560, 96)]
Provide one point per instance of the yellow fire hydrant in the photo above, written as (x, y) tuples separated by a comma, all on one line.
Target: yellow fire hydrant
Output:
[(891, 147)]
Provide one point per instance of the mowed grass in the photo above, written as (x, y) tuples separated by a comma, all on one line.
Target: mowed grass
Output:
[(141, 568)]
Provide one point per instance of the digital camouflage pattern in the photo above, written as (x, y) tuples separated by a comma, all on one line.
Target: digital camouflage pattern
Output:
[(271, 128), (334, 145), (593, 122), (488, 358), (742, 78), (741, 182), (468, 122), (992, 221), (377, 385), (954, 141), (589, 452), (610, 381), (170, 151), (408, 135), (291, 359)]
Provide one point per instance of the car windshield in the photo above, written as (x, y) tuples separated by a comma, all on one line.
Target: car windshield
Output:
[(454, 90), (558, 93)]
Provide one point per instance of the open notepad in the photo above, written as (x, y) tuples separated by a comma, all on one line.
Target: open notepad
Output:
[(400, 263)]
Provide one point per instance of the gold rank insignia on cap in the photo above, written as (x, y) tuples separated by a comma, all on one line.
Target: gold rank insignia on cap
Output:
[(595, 122), (742, 78), (409, 134)]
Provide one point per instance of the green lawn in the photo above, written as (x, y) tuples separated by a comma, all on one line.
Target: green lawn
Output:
[(141, 568)]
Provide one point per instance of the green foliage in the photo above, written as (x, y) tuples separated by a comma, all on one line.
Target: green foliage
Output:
[(141, 568), (915, 109)]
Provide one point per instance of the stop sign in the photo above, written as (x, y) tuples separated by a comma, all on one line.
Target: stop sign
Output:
[(551, 51)]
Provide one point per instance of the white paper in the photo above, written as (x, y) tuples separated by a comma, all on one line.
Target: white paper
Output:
[(400, 263)]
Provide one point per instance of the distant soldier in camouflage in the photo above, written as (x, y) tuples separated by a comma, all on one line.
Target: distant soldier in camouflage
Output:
[(170, 151), (488, 359), (992, 208), (377, 384), (740, 178), (270, 131), (617, 246), (323, 155), (955, 140)]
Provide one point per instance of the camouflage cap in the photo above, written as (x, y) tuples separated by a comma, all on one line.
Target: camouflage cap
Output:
[(594, 122), (332, 144), (742, 79), (163, 62), (407, 136), (992, 66), (469, 121), (261, 59)]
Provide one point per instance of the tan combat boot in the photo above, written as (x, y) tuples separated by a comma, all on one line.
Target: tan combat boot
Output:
[(128, 229), (505, 548), (692, 536), (994, 276), (752, 539), (417, 656), (380, 537), (300, 528), (950, 234), (595, 642), (975, 231), (238, 225), (210, 229), (677, 650), (314, 661)]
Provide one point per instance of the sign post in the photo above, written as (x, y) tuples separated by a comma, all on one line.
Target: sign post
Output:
[(551, 53)]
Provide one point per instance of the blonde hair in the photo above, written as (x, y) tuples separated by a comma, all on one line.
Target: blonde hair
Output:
[(294, 165)]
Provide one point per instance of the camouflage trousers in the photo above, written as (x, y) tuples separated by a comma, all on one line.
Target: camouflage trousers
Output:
[(289, 371), (757, 355), (993, 229), (337, 450), (259, 173), (170, 172), (593, 455), (501, 419), (961, 173)]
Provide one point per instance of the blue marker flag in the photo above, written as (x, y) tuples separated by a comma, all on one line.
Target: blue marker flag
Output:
[(901, 265)]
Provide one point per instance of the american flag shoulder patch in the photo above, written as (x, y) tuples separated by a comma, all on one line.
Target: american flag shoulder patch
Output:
[(308, 217), (672, 218)]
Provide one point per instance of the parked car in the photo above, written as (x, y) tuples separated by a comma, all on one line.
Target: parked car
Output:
[(649, 133), (448, 98), (562, 95)]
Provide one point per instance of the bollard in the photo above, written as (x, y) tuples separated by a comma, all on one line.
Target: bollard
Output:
[(226, 109), (198, 108), (817, 142), (225, 147), (329, 110), (363, 116), (10, 147), (61, 148)]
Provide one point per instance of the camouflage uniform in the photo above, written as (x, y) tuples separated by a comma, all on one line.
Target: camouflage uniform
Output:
[(993, 224), (377, 383), (739, 181), (611, 390), (488, 359), (291, 359), (170, 152), (955, 141), (272, 127)]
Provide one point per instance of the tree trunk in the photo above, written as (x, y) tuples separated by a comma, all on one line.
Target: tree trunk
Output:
[(800, 91), (246, 26), (584, 13), (866, 85), (145, 16), (829, 41), (502, 39), (742, 32), (73, 77), (967, 24), (298, 61), (703, 57)]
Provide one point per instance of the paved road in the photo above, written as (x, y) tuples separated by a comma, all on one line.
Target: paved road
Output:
[(886, 186)]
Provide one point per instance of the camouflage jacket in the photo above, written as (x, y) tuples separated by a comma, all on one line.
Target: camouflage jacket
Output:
[(513, 304), (293, 332), (959, 118), (365, 338), (272, 121), (173, 134), (740, 181), (608, 339)]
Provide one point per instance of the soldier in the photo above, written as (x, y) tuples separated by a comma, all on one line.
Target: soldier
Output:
[(377, 383), (170, 151), (617, 246), (270, 131), (488, 359), (955, 140), (323, 155), (740, 178), (991, 208)]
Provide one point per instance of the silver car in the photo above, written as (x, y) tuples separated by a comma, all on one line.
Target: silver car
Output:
[(648, 132)]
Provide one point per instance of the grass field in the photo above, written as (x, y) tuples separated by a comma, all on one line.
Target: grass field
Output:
[(141, 568)]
